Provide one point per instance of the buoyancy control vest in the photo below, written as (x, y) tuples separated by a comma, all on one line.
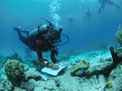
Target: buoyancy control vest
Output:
[(47, 34)]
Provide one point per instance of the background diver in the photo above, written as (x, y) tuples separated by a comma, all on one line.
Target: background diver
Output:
[(88, 13), (42, 39), (103, 2), (70, 20)]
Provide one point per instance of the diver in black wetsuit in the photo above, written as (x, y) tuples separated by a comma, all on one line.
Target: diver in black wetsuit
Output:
[(103, 2), (42, 39)]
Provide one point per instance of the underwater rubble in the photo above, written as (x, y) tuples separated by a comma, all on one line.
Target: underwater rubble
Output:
[(80, 74)]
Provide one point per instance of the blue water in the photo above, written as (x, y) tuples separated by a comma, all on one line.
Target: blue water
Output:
[(85, 33)]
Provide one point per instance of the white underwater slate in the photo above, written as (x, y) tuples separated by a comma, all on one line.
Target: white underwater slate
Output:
[(43, 77), (51, 71)]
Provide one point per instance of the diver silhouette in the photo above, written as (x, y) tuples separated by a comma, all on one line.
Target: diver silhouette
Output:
[(42, 39), (88, 13), (70, 20), (103, 2)]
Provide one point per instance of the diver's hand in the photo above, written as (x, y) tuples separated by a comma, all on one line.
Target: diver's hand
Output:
[(53, 66)]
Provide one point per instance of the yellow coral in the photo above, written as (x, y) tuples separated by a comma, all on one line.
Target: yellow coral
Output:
[(119, 35), (74, 68), (84, 64)]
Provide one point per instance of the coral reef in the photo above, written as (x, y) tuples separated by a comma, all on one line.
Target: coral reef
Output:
[(14, 71), (119, 35), (104, 68), (79, 76)]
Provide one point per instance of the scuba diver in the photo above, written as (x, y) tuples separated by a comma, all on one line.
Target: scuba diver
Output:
[(70, 20), (42, 39), (103, 2), (88, 13)]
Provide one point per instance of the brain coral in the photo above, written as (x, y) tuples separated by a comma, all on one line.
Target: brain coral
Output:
[(15, 72)]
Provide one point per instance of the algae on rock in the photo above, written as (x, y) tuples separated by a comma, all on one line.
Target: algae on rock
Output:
[(84, 65), (110, 84), (14, 71)]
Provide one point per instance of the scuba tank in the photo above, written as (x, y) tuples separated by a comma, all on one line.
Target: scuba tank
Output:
[(36, 31)]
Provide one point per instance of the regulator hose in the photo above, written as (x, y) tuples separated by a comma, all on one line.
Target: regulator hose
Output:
[(66, 41)]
